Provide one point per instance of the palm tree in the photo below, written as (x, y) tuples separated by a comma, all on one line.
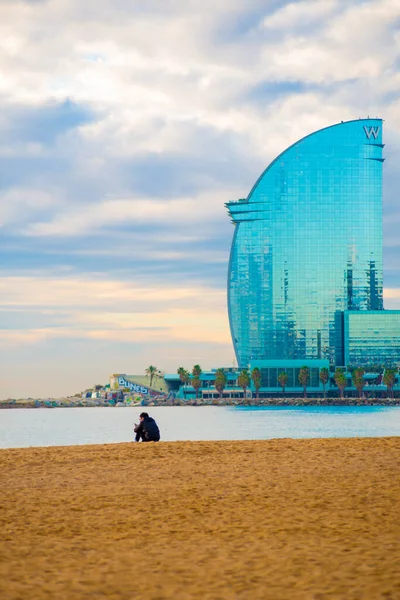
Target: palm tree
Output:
[(196, 371), (389, 379), (244, 381), (220, 381), (304, 375), (256, 377), (283, 379), (358, 380), (182, 374), (324, 378), (196, 383), (152, 372), (340, 380)]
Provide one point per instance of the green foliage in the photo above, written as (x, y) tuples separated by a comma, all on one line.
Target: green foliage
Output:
[(196, 383), (340, 380), (324, 378), (196, 371), (282, 380), (220, 381), (358, 380), (151, 373), (389, 379), (304, 376), (324, 375), (244, 380), (256, 378), (184, 375)]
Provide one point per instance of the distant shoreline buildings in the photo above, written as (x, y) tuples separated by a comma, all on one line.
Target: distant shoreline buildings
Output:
[(305, 275)]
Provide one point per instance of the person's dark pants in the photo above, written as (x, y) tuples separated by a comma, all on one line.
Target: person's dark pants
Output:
[(142, 438)]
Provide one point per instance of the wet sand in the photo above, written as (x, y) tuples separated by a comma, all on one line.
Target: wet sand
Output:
[(271, 520)]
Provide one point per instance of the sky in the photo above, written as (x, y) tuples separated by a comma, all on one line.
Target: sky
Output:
[(124, 128)]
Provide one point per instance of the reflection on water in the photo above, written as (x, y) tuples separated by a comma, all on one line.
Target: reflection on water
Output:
[(69, 426)]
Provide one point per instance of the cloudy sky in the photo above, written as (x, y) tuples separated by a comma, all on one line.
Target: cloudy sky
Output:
[(124, 127)]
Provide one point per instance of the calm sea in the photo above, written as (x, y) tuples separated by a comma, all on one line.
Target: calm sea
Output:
[(69, 426)]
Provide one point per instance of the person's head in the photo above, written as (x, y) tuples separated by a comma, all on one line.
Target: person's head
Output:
[(143, 416)]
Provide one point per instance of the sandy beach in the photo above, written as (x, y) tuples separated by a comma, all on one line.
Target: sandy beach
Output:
[(277, 519)]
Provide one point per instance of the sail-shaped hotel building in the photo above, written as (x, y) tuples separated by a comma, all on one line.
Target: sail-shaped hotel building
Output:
[(305, 270)]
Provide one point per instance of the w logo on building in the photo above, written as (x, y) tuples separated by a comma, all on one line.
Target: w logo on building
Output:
[(374, 131)]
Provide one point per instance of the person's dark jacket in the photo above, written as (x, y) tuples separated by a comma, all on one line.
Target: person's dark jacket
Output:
[(147, 430)]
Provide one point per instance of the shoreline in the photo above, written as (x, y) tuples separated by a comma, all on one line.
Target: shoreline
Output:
[(265, 519), (262, 402)]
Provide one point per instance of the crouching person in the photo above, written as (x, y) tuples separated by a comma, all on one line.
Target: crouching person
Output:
[(147, 429)]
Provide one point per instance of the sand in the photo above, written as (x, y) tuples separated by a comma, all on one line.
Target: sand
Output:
[(280, 519)]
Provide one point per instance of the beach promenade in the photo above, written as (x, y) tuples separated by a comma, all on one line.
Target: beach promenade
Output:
[(272, 520)]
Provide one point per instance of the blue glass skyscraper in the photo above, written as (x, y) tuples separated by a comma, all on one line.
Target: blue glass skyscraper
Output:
[(308, 246)]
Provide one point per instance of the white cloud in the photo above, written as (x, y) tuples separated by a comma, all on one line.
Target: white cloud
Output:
[(19, 205), (77, 220), (352, 41), (297, 14), (159, 76)]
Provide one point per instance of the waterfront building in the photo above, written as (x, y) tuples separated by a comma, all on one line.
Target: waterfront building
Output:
[(372, 337), (307, 247), (270, 371), (270, 386)]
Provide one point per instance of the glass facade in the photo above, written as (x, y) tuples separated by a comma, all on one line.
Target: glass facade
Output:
[(372, 338), (270, 370), (308, 245)]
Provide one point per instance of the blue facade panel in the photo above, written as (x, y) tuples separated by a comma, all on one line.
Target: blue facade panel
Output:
[(372, 338), (308, 245)]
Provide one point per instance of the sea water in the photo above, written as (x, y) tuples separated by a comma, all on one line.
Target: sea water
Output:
[(102, 425)]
